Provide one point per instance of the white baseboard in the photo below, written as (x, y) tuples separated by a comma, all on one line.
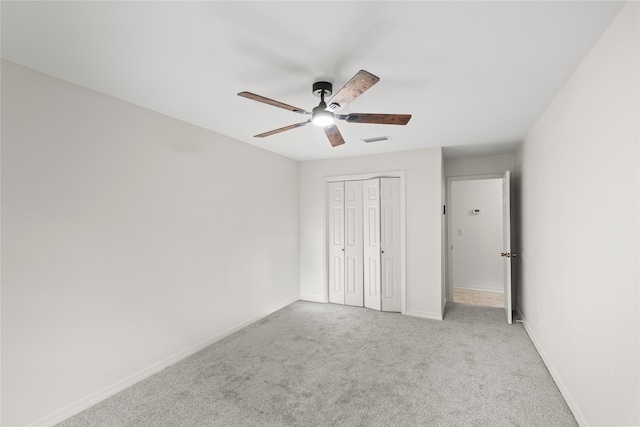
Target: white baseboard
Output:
[(93, 398), (580, 419), (423, 315), (312, 297)]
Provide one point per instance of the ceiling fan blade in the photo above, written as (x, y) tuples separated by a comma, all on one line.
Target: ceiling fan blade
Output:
[(334, 135), (381, 119), (264, 100), (273, 132), (355, 87)]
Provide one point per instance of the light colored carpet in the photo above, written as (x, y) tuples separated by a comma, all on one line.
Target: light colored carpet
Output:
[(313, 364)]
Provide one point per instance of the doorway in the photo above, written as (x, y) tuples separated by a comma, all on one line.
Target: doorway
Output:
[(478, 225)]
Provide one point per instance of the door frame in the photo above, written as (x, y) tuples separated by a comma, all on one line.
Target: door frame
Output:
[(325, 229), (449, 232)]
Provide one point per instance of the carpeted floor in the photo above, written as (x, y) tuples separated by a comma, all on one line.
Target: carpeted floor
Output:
[(313, 364)]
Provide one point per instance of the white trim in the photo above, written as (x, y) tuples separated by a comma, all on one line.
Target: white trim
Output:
[(403, 245), (403, 219), (364, 176), (447, 254), (423, 315), (581, 420), (312, 297), (475, 177), (325, 244), (90, 400)]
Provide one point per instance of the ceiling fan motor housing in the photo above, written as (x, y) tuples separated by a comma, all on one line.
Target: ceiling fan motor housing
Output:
[(322, 88)]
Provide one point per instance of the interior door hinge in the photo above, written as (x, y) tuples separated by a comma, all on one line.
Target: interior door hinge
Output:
[(444, 209)]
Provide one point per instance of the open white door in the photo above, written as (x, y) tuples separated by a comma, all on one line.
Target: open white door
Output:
[(371, 237), (353, 263), (506, 243), (335, 211), (390, 243)]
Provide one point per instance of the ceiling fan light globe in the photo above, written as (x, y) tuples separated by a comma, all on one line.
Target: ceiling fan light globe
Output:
[(323, 118)]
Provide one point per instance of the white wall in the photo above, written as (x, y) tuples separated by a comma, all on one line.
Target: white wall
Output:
[(479, 165), (579, 183), (477, 238), (423, 174), (129, 239)]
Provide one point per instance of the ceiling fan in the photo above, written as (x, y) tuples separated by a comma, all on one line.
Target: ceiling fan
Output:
[(323, 114)]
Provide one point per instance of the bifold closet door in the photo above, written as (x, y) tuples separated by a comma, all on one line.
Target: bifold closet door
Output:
[(353, 244), (371, 240), (364, 243), (335, 238), (390, 243)]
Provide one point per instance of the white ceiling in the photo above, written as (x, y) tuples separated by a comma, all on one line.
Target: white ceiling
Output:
[(474, 75)]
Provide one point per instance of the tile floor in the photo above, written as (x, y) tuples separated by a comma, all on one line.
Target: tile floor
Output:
[(482, 298)]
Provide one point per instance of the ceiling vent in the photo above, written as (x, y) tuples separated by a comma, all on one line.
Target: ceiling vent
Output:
[(376, 139)]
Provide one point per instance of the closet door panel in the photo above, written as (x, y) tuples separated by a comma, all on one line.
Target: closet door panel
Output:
[(371, 240), (390, 243), (353, 248), (335, 238)]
